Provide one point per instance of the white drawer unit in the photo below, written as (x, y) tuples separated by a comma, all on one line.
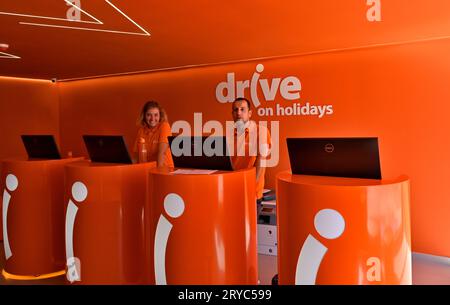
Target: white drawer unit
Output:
[(267, 250), (267, 239), (267, 228), (267, 235)]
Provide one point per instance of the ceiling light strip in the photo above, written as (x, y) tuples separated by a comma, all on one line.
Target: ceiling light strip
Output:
[(49, 18), (84, 29), (97, 21), (131, 20), (7, 55)]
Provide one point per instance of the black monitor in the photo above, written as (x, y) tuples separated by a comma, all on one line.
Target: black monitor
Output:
[(188, 152), (41, 147), (107, 149), (337, 157)]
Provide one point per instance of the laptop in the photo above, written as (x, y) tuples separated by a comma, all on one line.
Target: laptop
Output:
[(337, 157), (41, 147), (107, 149), (188, 152)]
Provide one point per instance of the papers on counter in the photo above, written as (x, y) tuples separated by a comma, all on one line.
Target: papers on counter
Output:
[(193, 172)]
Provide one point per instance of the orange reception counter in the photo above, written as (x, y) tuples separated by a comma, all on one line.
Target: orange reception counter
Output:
[(201, 229), (343, 230), (33, 218), (104, 222)]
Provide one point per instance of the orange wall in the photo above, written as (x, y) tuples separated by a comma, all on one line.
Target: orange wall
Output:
[(26, 107), (397, 93)]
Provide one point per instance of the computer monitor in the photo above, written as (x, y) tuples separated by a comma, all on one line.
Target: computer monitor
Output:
[(206, 152), (338, 157), (107, 149), (41, 147)]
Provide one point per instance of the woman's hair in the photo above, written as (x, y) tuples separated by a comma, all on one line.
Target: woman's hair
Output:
[(149, 105)]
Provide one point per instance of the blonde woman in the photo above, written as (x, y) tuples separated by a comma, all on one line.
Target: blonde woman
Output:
[(154, 130)]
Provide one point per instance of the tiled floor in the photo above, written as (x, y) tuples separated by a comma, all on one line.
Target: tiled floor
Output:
[(427, 269), (430, 270)]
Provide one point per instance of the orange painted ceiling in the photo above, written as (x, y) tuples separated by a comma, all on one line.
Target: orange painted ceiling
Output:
[(111, 36)]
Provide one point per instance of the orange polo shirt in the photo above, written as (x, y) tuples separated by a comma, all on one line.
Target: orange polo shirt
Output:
[(153, 137), (249, 145)]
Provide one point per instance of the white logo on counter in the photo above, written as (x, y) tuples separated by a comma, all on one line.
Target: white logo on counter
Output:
[(174, 207), (11, 185), (330, 225), (79, 194), (73, 269)]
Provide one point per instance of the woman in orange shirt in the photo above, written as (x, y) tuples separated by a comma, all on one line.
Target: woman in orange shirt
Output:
[(153, 133)]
